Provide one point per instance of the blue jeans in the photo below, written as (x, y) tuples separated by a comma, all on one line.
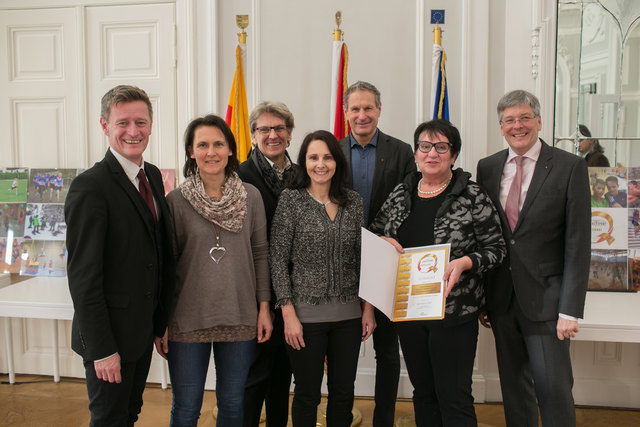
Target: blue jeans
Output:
[(188, 364)]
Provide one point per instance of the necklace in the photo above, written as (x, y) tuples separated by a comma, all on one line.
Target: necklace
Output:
[(434, 191), (217, 253), (325, 204)]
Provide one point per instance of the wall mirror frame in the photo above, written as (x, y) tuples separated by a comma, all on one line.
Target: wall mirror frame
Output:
[(598, 78)]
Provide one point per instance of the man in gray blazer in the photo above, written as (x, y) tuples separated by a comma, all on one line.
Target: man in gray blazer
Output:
[(535, 298), (378, 163)]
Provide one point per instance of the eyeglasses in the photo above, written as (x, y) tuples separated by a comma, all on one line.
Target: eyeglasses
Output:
[(441, 147), (510, 121), (266, 130)]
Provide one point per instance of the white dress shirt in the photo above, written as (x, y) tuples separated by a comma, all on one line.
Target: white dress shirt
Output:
[(131, 170)]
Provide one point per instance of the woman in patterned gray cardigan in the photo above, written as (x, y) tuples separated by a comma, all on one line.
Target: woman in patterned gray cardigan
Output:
[(441, 205), (315, 267)]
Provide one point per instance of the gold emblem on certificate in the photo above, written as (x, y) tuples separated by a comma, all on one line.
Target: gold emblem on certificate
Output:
[(419, 284), (407, 286)]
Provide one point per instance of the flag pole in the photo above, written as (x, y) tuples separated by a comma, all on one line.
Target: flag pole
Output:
[(338, 33), (338, 123), (237, 113), (437, 35), (242, 21), (439, 96)]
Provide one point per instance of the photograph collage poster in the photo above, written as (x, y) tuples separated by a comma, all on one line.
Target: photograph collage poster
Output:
[(32, 224), (615, 229)]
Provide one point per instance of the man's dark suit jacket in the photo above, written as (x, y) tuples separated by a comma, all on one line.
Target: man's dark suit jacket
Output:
[(121, 268), (394, 161), (549, 248)]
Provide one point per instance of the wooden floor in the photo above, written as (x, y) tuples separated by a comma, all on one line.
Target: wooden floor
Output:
[(37, 401)]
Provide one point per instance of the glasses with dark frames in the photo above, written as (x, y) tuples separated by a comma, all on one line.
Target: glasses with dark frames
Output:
[(441, 147), (266, 130)]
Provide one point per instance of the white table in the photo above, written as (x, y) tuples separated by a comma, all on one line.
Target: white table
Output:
[(36, 298), (611, 317), (40, 298)]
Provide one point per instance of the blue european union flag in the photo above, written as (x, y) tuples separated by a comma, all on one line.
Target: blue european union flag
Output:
[(437, 16)]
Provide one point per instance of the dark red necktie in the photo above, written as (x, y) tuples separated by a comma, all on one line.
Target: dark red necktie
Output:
[(512, 205), (145, 192)]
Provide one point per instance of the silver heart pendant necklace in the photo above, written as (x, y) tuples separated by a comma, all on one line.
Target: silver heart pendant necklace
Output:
[(217, 253)]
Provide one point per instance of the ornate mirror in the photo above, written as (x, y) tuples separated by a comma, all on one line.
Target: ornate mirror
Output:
[(598, 78)]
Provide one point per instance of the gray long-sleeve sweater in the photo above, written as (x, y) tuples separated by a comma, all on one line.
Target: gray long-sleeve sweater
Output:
[(210, 295)]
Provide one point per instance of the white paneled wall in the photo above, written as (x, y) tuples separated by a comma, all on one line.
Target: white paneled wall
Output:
[(58, 58)]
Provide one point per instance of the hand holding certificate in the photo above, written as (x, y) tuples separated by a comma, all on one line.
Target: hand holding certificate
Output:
[(407, 286)]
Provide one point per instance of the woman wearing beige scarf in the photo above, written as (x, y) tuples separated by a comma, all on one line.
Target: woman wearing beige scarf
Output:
[(222, 288)]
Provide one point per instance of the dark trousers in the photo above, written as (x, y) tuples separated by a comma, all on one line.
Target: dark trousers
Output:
[(440, 365), (269, 380), (385, 344), (533, 365), (340, 343), (118, 404)]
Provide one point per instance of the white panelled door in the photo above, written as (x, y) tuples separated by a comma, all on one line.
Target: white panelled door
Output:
[(39, 106), (134, 44)]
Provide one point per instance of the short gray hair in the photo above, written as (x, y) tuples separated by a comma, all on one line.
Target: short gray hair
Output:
[(276, 108), (518, 97), (360, 85)]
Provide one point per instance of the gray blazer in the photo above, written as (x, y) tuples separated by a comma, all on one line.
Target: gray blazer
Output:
[(548, 252), (394, 161)]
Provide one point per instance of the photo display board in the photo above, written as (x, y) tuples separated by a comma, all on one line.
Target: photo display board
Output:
[(32, 224), (615, 229)]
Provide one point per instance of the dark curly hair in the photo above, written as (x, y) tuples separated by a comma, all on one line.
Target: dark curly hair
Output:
[(443, 127)]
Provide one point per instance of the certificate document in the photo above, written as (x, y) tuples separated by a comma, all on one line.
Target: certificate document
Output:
[(419, 284), (406, 286)]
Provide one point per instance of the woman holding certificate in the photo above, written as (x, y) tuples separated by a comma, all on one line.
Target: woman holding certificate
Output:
[(315, 266), (440, 205)]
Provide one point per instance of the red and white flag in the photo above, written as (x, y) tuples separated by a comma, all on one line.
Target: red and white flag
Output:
[(337, 121)]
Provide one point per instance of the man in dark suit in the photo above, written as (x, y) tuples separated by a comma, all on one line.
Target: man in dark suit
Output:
[(378, 163), (535, 298), (120, 267)]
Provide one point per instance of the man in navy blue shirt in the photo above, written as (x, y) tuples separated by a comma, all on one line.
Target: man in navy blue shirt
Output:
[(617, 198), (378, 163)]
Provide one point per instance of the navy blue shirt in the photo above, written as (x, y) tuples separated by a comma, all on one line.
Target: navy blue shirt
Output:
[(363, 164)]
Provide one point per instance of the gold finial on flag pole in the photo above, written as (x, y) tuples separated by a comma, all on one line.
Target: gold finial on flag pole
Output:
[(242, 21), (437, 35), (338, 33)]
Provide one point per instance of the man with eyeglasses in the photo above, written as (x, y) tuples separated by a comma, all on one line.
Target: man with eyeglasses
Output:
[(534, 299), (378, 163)]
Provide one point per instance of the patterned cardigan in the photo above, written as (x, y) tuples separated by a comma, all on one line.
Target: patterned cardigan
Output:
[(312, 258), (468, 220)]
